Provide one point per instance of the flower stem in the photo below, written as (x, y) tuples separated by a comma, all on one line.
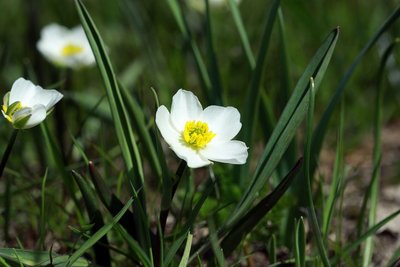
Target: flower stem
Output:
[(179, 173), (7, 194), (7, 152)]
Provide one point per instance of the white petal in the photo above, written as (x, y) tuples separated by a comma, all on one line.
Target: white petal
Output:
[(185, 107), (45, 97), (23, 112), (167, 130), (53, 31), (22, 90), (78, 32), (233, 152), (38, 115), (30, 95), (223, 121), (191, 156), (52, 39)]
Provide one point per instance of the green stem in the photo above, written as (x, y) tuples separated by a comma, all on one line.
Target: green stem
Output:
[(179, 173), (7, 153), (7, 193)]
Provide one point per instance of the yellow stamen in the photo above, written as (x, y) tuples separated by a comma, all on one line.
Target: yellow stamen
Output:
[(71, 50), (10, 110), (197, 135)]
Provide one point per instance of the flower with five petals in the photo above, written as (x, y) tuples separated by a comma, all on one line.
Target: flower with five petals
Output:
[(65, 47), (201, 136)]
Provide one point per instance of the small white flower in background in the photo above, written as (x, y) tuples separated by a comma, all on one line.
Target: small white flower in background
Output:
[(200, 136), (65, 47), (200, 5), (27, 105)]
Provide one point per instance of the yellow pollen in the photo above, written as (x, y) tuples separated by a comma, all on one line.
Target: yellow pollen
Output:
[(71, 50), (197, 135)]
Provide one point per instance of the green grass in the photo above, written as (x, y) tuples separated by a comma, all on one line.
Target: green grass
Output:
[(96, 183)]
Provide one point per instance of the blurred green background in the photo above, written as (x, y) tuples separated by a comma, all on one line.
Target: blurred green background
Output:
[(147, 48)]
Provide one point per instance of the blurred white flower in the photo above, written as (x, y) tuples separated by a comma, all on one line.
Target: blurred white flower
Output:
[(27, 105), (65, 47), (200, 5), (200, 136)]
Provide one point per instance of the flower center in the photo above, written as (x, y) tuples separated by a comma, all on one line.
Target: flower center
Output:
[(11, 109), (71, 50), (197, 135)]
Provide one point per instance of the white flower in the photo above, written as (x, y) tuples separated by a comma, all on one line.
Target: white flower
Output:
[(64, 47), (27, 105), (200, 6), (200, 136)]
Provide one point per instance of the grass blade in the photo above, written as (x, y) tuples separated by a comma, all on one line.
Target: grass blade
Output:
[(42, 225), (121, 119), (322, 126), (122, 122), (337, 177), (134, 246), (307, 175), (377, 155), (272, 250), (300, 244), (98, 235), (39, 258), (216, 92), (112, 203), (186, 252), (253, 94), (217, 250), (184, 28), (58, 160), (233, 4), (251, 219), (139, 123), (101, 252), (174, 247), (289, 121), (349, 248)]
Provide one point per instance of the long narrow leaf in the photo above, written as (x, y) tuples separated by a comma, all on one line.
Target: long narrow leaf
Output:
[(139, 123), (320, 131), (377, 155), (289, 121), (242, 33), (39, 258), (251, 219), (337, 178), (42, 224), (216, 92), (253, 93), (98, 235), (184, 28), (309, 178), (102, 254), (121, 119), (186, 252), (300, 244), (217, 250), (354, 244)]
